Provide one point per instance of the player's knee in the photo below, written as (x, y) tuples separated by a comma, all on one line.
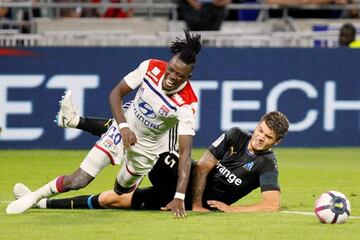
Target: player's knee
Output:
[(105, 199), (108, 199)]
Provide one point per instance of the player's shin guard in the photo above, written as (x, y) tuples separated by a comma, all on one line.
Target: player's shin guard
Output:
[(80, 202), (118, 189), (126, 181)]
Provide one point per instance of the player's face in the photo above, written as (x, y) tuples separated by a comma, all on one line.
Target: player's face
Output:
[(262, 139), (177, 72), (346, 37)]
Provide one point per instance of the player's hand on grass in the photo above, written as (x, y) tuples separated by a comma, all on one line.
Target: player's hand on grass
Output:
[(177, 207), (219, 205), (128, 137)]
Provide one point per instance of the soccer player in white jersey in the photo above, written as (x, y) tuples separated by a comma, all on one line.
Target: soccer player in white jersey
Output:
[(235, 164), (164, 98)]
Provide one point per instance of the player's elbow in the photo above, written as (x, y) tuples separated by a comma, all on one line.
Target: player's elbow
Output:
[(113, 95), (271, 201), (272, 207)]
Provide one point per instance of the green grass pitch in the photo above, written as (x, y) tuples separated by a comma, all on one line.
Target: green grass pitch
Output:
[(304, 175)]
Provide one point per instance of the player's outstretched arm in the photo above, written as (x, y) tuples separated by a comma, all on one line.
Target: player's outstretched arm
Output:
[(177, 205), (270, 203), (201, 170), (116, 102)]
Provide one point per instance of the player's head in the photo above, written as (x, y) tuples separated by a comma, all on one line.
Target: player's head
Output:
[(347, 34), (272, 127), (180, 66)]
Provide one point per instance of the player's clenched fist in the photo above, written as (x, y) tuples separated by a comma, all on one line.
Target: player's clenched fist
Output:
[(128, 137)]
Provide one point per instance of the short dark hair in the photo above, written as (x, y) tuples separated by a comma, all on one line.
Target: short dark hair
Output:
[(188, 48), (349, 27), (347, 34), (277, 122)]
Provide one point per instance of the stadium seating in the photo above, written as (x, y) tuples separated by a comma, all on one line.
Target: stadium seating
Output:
[(155, 24)]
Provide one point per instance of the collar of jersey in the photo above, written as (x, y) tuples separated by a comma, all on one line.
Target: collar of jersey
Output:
[(247, 150), (253, 154)]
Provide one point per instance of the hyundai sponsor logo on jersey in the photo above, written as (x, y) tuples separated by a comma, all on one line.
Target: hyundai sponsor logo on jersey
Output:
[(318, 89), (146, 109), (145, 121)]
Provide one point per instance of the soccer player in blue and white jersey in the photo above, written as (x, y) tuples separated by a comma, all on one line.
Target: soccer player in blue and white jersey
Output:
[(164, 99)]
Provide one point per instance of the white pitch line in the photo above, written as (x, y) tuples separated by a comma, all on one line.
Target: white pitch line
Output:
[(310, 213), (290, 212), (300, 213)]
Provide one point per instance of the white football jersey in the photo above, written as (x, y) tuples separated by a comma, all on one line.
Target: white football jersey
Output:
[(153, 113)]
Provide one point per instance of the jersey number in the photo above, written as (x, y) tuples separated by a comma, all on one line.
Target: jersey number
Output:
[(114, 135), (169, 161)]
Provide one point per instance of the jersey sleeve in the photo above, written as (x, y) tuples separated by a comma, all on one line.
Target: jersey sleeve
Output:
[(269, 176), (221, 145), (135, 78), (186, 117)]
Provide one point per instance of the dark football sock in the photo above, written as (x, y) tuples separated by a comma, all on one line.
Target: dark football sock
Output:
[(80, 202), (96, 126)]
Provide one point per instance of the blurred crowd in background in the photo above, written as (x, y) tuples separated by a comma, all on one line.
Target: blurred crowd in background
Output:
[(199, 15)]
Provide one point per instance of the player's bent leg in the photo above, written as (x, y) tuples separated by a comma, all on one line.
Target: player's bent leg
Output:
[(126, 180), (27, 201), (93, 163), (79, 202), (110, 199), (30, 199), (107, 199), (77, 180), (149, 198), (96, 126)]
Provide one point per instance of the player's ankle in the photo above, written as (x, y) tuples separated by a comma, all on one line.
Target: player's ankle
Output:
[(42, 203)]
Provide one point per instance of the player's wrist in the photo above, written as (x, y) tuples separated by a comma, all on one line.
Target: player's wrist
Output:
[(123, 125), (179, 195)]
